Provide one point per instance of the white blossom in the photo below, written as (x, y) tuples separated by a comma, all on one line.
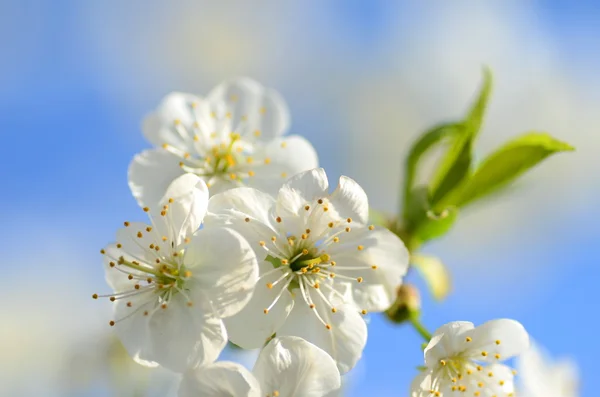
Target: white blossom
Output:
[(323, 265), (463, 358), (541, 377), (231, 138), (173, 283), (287, 367)]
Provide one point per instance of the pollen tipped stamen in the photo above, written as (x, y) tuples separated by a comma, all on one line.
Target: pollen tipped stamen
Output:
[(268, 273), (124, 294), (308, 299), (271, 252), (327, 302), (283, 276), (279, 295)]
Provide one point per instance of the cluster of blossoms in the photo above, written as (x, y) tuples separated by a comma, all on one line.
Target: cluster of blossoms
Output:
[(246, 243)]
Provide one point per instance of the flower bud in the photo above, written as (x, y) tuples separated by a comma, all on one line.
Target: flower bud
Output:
[(407, 304)]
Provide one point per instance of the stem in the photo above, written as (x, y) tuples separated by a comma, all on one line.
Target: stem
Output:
[(414, 320)]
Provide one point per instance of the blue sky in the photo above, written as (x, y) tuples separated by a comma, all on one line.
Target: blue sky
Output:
[(77, 78)]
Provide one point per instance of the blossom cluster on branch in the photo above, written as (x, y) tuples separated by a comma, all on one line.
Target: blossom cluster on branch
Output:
[(246, 241)]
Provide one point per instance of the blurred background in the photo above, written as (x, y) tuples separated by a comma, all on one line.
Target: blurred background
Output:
[(362, 79)]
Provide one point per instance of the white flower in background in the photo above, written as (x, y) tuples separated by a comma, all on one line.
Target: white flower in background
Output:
[(464, 358), (231, 138), (323, 265), (173, 282), (286, 367), (541, 377)]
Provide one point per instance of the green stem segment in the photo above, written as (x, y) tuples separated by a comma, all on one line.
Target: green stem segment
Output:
[(414, 320)]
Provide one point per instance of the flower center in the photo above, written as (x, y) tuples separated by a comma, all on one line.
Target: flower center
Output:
[(216, 160), (307, 261)]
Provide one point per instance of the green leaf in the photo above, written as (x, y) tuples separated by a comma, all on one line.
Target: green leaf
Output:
[(455, 166), (475, 117), (418, 149), (506, 164), (436, 225), (276, 262), (435, 274)]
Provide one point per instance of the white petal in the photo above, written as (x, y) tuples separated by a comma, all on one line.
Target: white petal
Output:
[(421, 385), (382, 260), (251, 327), (183, 337), (159, 127), (223, 267), (187, 201), (248, 211), (492, 380), (533, 372), (446, 342), (301, 189), (345, 340), (350, 200), (150, 173), (222, 184), (239, 203), (496, 340), (222, 379), (132, 329), (372, 298), (540, 376), (288, 156), (263, 109), (296, 368)]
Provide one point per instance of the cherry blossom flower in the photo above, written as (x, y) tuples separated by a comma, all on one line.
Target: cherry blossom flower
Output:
[(231, 138), (323, 265), (463, 358), (173, 283)]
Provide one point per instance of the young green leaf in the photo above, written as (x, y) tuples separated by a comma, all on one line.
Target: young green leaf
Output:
[(436, 225), (505, 165), (456, 165), (426, 142)]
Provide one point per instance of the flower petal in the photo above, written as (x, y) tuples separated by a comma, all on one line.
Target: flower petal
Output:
[(372, 298), (172, 121), (421, 385), (287, 157), (183, 337), (301, 189), (248, 211), (132, 329), (540, 376), (263, 111), (251, 327), (379, 257), (222, 379), (345, 340), (187, 201), (239, 203), (223, 267), (150, 173), (350, 200), (294, 367), (496, 340), (446, 342), (492, 380)]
